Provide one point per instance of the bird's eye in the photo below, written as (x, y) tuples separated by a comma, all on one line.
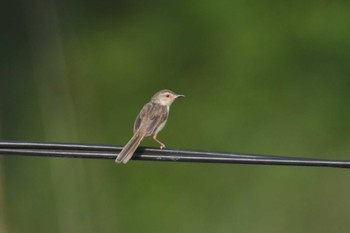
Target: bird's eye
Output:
[(167, 96)]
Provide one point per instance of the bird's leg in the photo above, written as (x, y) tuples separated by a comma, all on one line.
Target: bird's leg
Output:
[(162, 146)]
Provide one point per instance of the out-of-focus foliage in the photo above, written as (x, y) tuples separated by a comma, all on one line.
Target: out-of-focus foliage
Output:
[(263, 77)]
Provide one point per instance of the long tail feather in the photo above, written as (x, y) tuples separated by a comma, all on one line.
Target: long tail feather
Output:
[(129, 149)]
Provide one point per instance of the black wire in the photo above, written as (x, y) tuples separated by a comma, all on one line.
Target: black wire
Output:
[(93, 151)]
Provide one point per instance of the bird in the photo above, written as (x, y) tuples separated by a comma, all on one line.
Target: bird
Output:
[(151, 119)]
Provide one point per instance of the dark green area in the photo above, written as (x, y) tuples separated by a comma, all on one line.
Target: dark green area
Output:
[(264, 77)]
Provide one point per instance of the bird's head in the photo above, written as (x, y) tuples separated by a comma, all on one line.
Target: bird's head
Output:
[(165, 97)]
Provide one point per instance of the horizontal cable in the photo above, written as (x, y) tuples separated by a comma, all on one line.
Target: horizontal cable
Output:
[(93, 151)]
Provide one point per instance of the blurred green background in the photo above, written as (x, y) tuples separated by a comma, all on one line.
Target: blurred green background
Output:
[(264, 77)]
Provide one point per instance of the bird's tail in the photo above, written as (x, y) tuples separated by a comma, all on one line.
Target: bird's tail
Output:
[(129, 149)]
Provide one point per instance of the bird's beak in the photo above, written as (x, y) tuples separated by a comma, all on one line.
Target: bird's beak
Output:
[(179, 95)]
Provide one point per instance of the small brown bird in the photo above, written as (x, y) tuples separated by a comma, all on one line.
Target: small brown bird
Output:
[(151, 119)]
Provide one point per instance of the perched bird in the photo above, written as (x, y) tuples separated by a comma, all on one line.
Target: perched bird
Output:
[(151, 119)]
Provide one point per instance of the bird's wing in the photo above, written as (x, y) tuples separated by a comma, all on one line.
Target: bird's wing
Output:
[(159, 116), (151, 116), (143, 113)]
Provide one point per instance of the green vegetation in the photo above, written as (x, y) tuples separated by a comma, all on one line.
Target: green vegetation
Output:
[(259, 77)]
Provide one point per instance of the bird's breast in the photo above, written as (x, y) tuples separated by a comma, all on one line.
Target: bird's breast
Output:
[(161, 126)]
